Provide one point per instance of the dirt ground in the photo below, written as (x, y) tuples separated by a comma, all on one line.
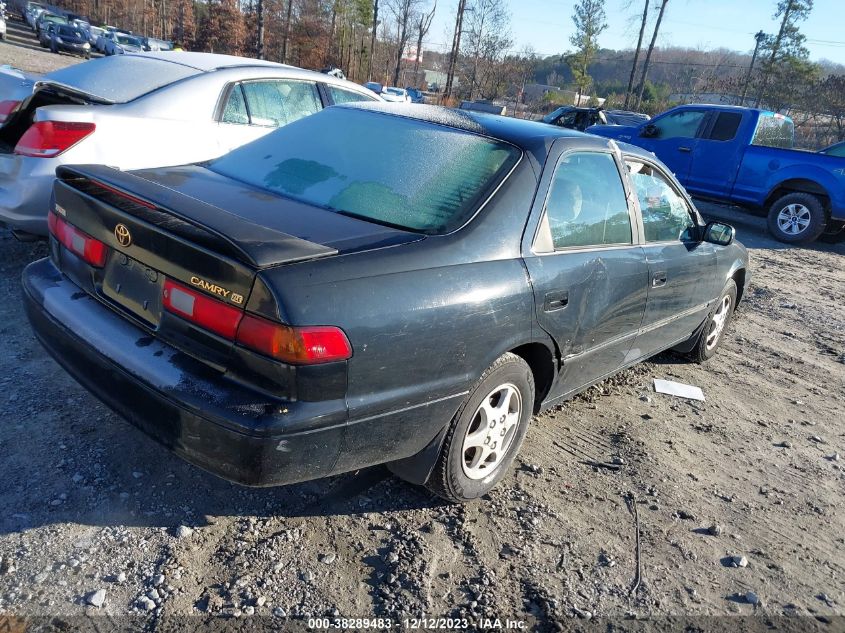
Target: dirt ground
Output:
[(88, 503)]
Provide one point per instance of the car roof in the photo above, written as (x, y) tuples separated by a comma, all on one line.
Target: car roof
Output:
[(208, 62)]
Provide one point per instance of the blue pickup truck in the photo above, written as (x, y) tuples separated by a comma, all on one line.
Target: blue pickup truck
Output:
[(744, 156)]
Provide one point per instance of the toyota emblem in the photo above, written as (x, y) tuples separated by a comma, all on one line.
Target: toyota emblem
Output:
[(124, 237)]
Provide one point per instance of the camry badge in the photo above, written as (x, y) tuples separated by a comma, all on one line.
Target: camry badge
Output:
[(124, 237)]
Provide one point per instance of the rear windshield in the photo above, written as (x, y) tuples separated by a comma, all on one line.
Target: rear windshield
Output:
[(105, 78), (774, 130), (387, 169)]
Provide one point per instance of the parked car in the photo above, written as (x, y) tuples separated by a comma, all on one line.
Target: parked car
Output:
[(107, 35), (43, 22), (94, 33), (153, 44), (173, 111), (574, 118), (122, 43), (374, 86), (416, 95), (837, 149), (302, 307), (744, 156), (45, 34), (2, 28), (70, 39), (396, 95), (33, 13)]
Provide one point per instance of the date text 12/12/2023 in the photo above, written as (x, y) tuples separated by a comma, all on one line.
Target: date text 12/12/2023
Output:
[(419, 623)]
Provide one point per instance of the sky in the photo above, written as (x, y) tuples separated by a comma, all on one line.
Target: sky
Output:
[(546, 25)]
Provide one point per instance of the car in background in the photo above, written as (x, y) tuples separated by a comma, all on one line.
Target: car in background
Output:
[(70, 39), (94, 33), (301, 308), (576, 118), (44, 21), (2, 28), (123, 43), (396, 95), (176, 109), (374, 86), (154, 44), (33, 13), (108, 33), (837, 149), (625, 117), (416, 95)]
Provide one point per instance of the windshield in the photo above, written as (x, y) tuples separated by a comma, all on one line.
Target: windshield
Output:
[(70, 32), (396, 91), (105, 78), (387, 169), (124, 39)]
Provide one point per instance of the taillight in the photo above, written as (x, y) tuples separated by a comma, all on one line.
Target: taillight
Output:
[(6, 109), (296, 345), (46, 139), (306, 345), (206, 312), (93, 251)]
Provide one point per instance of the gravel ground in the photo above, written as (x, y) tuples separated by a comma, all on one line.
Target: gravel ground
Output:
[(727, 507), (22, 50)]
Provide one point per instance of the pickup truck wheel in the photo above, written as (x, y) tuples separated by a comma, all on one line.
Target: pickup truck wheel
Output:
[(486, 432), (717, 322), (797, 218)]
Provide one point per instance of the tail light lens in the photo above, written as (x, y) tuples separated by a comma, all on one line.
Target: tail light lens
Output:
[(46, 139), (93, 251), (6, 109), (307, 345), (198, 308)]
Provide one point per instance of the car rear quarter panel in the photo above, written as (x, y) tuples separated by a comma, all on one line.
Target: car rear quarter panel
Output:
[(424, 319)]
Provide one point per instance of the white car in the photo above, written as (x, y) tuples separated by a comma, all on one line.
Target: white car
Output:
[(2, 28), (396, 95), (123, 43), (177, 109)]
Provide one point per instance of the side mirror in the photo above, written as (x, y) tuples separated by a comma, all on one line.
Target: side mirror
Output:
[(719, 233), (649, 131)]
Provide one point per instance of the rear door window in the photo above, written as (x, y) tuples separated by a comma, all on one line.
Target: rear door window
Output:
[(587, 205), (340, 95), (279, 102), (725, 126)]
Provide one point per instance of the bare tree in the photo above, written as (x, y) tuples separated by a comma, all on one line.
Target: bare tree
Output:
[(487, 39), (636, 54), (648, 54), (423, 26), (403, 11), (456, 48)]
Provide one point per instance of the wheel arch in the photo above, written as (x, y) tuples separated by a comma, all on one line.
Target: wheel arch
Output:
[(797, 185)]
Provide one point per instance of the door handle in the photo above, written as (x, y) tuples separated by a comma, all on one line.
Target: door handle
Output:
[(684, 149), (658, 279), (556, 300)]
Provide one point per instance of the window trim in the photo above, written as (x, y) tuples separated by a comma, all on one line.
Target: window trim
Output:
[(543, 221), (691, 208)]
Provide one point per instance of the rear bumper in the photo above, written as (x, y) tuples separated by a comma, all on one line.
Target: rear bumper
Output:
[(25, 188), (206, 419)]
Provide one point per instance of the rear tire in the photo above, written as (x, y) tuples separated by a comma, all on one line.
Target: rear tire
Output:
[(797, 218), (486, 433), (716, 325)]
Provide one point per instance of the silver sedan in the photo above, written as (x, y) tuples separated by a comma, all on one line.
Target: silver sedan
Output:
[(143, 110)]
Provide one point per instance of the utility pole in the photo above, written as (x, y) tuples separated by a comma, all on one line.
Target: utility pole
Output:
[(648, 54), (758, 38), (373, 41), (286, 38), (636, 55), (456, 47)]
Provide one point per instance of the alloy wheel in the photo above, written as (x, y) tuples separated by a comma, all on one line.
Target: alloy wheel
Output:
[(491, 431), (718, 322), (794, 219)]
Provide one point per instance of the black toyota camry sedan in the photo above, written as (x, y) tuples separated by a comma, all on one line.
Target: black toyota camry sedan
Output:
[(375, 284)]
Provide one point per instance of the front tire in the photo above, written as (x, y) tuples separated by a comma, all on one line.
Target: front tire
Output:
[(717, 323), (486, 433), (797, 218)]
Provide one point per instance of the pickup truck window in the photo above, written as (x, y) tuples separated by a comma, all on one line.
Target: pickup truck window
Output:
[(682, 124), (725, 126), (586, 204), (774, 130), (666, 215)]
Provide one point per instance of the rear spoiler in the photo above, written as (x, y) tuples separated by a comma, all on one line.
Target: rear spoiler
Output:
[(200, 222)]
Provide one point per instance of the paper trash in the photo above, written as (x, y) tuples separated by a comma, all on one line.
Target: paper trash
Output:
[(678, 389)]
